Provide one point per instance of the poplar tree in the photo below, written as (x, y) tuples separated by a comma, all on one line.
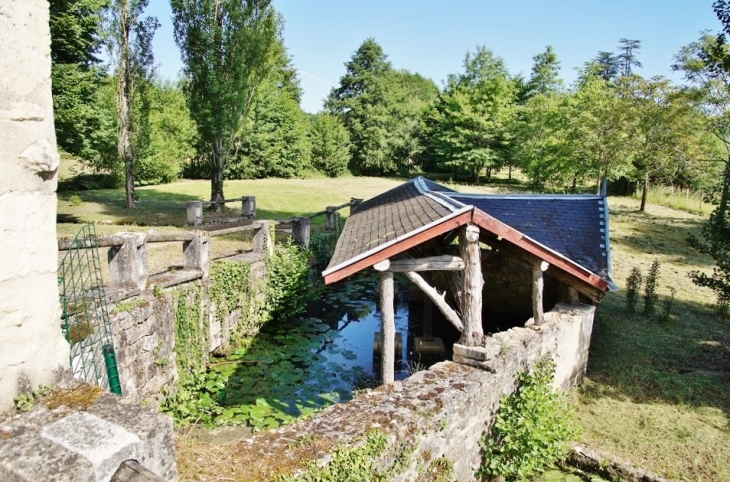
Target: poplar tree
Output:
[(227, 47)]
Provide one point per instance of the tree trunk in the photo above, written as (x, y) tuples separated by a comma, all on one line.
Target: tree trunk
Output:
[(509, 175), (644, 190), (387, 318), (575, 183), (472, 284), (722, 207), (216, 175), (124, 101)]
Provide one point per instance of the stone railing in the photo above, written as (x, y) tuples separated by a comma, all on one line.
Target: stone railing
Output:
[(300, 228), (195, 209), (127, 256)]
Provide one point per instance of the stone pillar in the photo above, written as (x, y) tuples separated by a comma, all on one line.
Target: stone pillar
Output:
[(128, 262), (387, 319), (248, 207), (32, 347), (195, 212), (262, 242), (354, 204), (472, 285), (300, 231), (332, 222), (196, 253)]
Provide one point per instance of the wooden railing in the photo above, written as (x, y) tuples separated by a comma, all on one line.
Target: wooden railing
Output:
[(300, 228)]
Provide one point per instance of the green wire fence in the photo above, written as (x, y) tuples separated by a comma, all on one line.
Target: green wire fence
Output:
[(85, 317)]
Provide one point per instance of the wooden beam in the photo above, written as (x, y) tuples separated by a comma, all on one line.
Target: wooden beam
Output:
[(472, 285), (444, 262), (577, 283), (537, 291), (397, 248), (511, 235), (437, 298), (387, 319)]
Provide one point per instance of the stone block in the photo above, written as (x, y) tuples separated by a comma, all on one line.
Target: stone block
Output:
[(195, 212), (196, 253), (428, 348), (478, 353), (378, 342), (128, 262)]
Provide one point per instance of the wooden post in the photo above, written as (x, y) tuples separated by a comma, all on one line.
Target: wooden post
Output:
[(538, 283), (195, 212), (472, 284), (573, 298), (387, 318), (300, 231), (427, 319)]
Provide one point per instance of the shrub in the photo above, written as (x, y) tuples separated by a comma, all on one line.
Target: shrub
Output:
[(532, 429), (650, 295), (322, 246), (633, 285), (715, 243), (289, 285)]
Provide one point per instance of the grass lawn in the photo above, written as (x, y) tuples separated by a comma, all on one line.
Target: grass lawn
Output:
[(656, 393)]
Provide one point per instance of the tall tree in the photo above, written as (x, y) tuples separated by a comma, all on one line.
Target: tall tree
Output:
[(381, 108), (227, 47), (664, 129), (130, 45), (76, 76), (605, 65), (468, 124), (627, 58), (545, 75), (330, 144)]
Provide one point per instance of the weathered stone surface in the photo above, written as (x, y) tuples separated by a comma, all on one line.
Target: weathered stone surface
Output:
[(32, 347), (84, 443), (443, 411)]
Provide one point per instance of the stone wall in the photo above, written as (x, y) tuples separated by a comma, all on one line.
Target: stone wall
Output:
[(143, 329), (32, 347), (439, 413)]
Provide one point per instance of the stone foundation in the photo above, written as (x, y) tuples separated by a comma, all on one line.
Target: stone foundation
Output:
[(437, 413)]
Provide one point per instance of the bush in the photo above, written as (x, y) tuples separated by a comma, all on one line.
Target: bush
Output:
[(633, 285), (650, 295), (322, 246), (715, 243), (289, 285), (532, 429)]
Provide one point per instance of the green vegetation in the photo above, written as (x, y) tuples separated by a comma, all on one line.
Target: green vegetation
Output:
[(532, 428), (290, 286)]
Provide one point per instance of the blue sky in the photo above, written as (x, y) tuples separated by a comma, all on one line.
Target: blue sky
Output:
[(431, 37)]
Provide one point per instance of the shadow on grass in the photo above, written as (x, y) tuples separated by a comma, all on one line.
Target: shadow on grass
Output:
[(684, 360), (154, 208)]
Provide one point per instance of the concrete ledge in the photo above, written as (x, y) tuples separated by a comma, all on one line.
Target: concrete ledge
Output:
[(81, 433)]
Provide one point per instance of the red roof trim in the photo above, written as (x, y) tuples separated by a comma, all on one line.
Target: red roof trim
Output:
[(517, 238), (444, 227)]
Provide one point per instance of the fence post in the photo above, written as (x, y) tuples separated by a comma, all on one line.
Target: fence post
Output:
[(195, 212), (333, 219), (196, 252), (300, 231), (248, 206), (128, 262), (354, 204), (262, 242)]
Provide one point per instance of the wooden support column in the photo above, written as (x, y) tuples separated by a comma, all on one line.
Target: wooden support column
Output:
[(538, 283), (573, 297), (472, 284), (387, 319), (427, 319)]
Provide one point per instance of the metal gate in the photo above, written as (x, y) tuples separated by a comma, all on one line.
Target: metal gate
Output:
[(85, 318)]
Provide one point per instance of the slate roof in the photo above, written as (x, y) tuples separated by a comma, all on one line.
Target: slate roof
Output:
[(385, 218), (574, 227)]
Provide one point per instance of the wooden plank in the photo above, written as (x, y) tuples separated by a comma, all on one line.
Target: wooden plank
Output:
[(444, 262), (236, 229), (168, 238), (387, 318), (397, 248), (437, 298)]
